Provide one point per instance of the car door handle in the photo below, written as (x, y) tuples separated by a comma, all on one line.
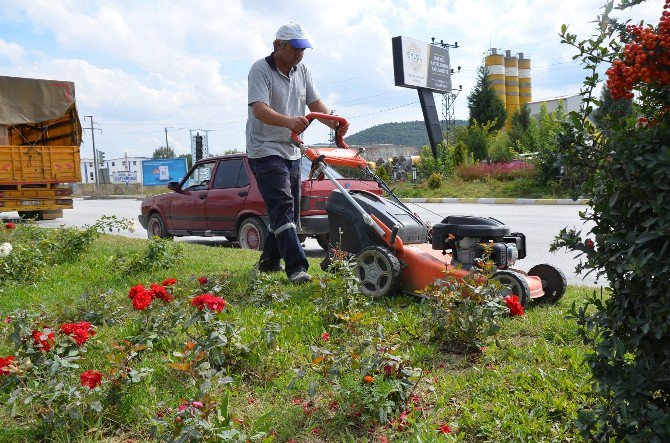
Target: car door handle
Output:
[(202, 196), (243, 193)]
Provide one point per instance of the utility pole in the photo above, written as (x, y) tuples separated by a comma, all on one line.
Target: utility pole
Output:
[(167, 146), (96, 174)]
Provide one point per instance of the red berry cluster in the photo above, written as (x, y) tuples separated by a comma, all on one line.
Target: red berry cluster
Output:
[(646, 59)]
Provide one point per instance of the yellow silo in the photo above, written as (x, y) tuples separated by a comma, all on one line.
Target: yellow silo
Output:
[(511, 84), (525, 93), (496, 65)]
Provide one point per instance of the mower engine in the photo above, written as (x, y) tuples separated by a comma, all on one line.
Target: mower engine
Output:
[(469, 237)]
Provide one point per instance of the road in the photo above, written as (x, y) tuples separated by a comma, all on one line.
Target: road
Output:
[(540, 224)]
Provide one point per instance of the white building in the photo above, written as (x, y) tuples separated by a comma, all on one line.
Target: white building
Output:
[(570, 103), (119, 170)]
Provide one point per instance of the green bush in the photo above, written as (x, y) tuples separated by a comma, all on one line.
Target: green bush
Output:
[(500, 150), (434, 181), (627, 182), (429, 165), (381, 173)]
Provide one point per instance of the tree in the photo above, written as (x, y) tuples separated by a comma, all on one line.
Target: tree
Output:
[(521, 130), (485, 106), (477, 137), (189, 159), (611, 110), (163, 152)]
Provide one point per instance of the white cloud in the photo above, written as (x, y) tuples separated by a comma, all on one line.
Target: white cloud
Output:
[(12, 51)]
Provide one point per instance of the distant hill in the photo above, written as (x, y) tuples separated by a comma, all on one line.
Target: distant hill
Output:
[(401, 133)]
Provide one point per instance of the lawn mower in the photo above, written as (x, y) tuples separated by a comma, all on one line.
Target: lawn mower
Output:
[(395, 250)]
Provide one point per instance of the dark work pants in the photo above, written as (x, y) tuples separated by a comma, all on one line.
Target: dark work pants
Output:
[(279, 184)]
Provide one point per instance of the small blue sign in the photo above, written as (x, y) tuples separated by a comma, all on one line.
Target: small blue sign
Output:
[(160, 172)]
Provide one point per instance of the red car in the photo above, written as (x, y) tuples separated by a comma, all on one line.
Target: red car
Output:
[(219, 197)]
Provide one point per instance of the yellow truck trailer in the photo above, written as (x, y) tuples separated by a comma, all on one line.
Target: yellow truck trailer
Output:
[(40, 135)]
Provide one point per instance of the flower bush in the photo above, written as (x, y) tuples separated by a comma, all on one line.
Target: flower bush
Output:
[(627, 172), (34, 249)]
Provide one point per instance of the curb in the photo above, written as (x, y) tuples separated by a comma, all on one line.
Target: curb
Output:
[(503, 201)]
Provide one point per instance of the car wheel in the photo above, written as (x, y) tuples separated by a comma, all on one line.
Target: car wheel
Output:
[(252, 233), (322, 240), (378, 271), (156, 227), (554, 282), (516, 282)]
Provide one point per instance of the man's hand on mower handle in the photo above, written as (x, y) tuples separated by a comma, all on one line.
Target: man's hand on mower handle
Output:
[(297, 124)]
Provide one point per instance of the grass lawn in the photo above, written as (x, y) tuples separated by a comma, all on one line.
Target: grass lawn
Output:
[(527, 384), (487, 188)]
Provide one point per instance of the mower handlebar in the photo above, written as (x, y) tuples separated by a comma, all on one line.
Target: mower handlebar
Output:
[(341, 121)]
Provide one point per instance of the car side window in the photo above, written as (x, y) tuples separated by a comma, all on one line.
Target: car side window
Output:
[(243, 179), (198, 179), (227, 173)]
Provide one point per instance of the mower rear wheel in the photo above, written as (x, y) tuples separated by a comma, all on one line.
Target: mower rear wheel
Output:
[(554, 282), (516, 282), (378, 271)]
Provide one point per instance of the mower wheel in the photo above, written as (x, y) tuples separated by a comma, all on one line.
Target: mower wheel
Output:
[(516, 282), (378, 271), (554, 282)]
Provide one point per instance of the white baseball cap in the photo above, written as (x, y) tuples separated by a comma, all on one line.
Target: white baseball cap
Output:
[(294, 34)]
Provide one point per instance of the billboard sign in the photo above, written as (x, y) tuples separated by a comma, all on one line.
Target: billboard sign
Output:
[(124, 177), (158, 172), (418, 64)]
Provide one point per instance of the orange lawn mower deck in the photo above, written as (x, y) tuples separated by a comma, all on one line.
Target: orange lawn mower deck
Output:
[(396, 250)]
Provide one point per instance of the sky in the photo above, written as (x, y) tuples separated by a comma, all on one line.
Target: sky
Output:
[(142, 66)]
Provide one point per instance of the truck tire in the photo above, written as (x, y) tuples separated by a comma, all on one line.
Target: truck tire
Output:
[(156, 227), (252, 233)]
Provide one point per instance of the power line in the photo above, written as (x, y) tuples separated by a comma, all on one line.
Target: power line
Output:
[(384, 110)]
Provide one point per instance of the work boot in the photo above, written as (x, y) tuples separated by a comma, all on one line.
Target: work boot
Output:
[(300, 277), (270, 266)]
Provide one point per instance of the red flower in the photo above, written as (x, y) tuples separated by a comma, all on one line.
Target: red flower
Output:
[(514, 305), (169, 281), (182, 407), (158, 291), (136, 290), (80, 332), (210, 301), (368, 379), (4, 363), (203, 280), (401, 422), (91, 379), (142, 300), (589, 243), (444, 429), (333, 405), (10, 225), (8, 319), (325, 336), (383, 439), (44, 339)]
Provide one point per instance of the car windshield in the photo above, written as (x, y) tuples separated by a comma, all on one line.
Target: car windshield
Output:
[(305, 166)]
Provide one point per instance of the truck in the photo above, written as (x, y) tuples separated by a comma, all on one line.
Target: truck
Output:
[(40, 135)]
